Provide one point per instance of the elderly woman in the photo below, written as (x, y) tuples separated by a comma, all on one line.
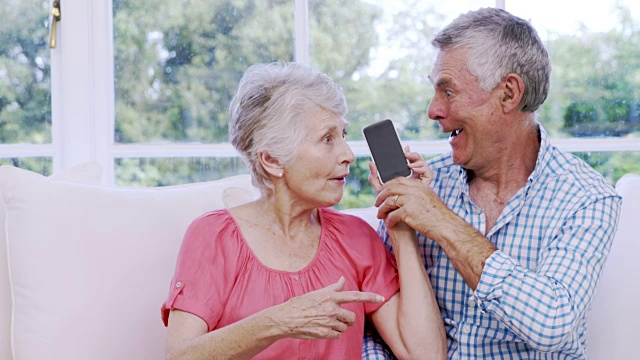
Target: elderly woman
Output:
[(285, 276)]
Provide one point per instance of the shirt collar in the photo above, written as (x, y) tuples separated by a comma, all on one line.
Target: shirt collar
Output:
[(544, 155)]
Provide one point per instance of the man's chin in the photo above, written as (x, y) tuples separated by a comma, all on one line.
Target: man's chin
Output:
[(457, 158)]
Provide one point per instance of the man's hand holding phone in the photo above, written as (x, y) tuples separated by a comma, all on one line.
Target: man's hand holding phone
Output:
[(419, 170), (388, 156), (386, 151), (391, 162)]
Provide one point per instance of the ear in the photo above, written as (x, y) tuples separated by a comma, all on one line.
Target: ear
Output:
[(270, 164), (512, 91)]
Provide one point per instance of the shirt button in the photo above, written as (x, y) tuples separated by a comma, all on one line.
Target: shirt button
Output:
[(466, 329), (295, 277), (472, 303), (178, 284)]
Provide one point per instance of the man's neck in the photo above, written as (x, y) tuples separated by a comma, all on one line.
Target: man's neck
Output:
[(493, 187), (510, 168)]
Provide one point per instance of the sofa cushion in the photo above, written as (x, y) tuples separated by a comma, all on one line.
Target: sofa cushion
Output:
[(91, 265), (88, 173)]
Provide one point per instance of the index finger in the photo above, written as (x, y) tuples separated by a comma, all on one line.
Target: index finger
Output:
[(357, 296), (413, 156), (374, 179)]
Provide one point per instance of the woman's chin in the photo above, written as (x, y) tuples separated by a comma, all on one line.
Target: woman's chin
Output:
[(329, 202)]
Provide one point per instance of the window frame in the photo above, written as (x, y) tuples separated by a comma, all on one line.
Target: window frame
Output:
[(83, 100)]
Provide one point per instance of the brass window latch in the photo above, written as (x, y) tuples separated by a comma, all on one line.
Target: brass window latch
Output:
[(56, 15)]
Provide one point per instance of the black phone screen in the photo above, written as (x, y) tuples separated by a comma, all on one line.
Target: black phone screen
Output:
[(386, 150)]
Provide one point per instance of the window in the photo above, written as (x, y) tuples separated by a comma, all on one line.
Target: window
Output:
[(25, 86), (176, 72), (145, 91), (594, 102), (595, 84)]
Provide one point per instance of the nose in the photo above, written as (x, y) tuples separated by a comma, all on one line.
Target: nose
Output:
[(437, 108), (346, 156)]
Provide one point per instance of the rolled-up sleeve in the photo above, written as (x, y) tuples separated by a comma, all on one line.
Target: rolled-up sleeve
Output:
[(543, 306)]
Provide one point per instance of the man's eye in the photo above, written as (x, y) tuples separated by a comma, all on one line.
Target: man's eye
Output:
[(448, 92)]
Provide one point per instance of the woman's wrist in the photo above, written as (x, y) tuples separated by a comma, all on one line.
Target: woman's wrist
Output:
[(260, 329), (270, 325)]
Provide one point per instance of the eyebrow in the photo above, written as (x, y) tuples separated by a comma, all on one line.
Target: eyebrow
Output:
[(328, 128), (442, 82), (334, 126), (331, 128)]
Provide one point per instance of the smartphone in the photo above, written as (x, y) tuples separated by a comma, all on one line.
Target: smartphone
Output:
[(386, 151)]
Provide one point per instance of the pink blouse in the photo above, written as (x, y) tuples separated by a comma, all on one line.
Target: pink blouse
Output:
[(219, 279)]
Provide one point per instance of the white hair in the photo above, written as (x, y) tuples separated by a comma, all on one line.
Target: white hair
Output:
[(500, 43), (266, 114)]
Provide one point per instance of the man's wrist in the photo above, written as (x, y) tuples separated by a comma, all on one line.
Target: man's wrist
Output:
[(468, 251)]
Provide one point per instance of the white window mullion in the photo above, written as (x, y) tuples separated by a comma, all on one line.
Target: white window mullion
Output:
[(301, 31), (70, 87), (26, 150), (174, 150), (104, 86), (359, 148), (597, 144), (82, 85)]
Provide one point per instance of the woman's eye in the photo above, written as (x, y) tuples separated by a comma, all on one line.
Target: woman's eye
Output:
[(344, 134), (328, 139)]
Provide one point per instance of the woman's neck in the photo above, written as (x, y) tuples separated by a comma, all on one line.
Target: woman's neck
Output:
[(285, 216)]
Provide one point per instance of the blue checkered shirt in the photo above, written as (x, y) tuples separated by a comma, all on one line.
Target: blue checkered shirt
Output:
[(533, 296)]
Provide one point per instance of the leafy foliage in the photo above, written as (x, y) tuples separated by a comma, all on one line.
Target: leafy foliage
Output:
[(178, 64), (25, 100)]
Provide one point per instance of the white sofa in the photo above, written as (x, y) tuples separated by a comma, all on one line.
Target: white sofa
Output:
[(85, 267)]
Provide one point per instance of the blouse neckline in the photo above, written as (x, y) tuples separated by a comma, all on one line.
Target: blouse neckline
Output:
[(244, 242)]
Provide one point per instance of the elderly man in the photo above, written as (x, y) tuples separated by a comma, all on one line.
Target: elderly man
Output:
[(513, 232)]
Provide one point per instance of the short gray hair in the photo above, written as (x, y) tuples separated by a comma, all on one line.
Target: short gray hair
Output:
[(267, 112), (499, 44)]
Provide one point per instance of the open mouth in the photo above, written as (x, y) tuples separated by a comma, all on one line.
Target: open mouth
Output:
[(455, 133)]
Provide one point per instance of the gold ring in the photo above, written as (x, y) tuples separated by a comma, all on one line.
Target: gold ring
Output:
[(395, 200)]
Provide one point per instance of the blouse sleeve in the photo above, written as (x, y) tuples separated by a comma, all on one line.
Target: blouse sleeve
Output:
[(378, 273), (205, 269), (382, 277)]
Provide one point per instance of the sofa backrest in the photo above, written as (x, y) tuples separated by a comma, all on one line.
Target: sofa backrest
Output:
[(88, 173), (63, 235), (613, 319), (91, 265)]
